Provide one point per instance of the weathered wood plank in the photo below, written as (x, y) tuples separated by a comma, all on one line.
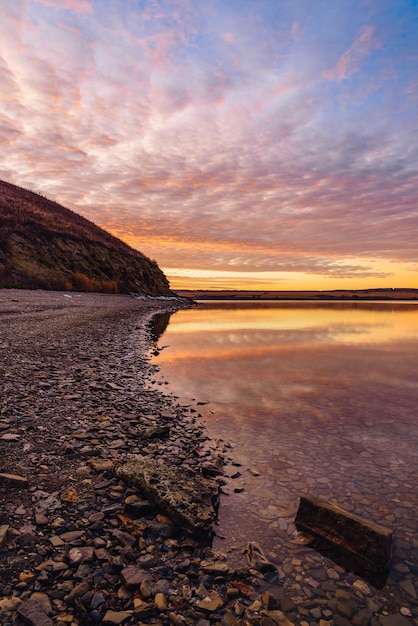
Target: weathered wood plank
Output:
[(369, 542)]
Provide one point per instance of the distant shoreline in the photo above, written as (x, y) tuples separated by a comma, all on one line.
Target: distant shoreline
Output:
[(333, 295)]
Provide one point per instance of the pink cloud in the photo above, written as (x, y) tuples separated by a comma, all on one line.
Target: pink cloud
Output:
[(79, 6), (350, 62)]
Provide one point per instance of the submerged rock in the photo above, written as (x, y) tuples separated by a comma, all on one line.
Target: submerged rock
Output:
[(190, 500), (257, 558)]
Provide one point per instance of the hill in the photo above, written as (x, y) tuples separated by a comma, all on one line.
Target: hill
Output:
[(46, 246)]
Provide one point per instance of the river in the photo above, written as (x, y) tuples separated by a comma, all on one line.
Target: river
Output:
[(311, 398)]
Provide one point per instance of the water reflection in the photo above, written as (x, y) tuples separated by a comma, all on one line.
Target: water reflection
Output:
[(314, 399)]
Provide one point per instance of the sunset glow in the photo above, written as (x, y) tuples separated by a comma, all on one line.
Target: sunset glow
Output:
[(242, 145)]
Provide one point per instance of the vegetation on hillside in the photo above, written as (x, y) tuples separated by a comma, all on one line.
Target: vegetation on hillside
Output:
[(46, 246)]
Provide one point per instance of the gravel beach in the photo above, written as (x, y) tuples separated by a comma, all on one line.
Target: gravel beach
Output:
[(80, 545)]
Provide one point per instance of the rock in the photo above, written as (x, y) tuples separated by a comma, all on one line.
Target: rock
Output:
[(10, 604), (212, 602), (188, 499), (160, 601), (40, 519), (146, 589), (77, 592), (10, 437), (217, 568), (132, 577), (361, 586), (33, 613), (257, 558), (13, 480), (43, 600), (370, 543), (394, 620), (70, 495), (82, 554), (3, 534), (408, 586), (144, 610), (362, 618), (102, 465), (160, 432), (116, 617), (278, 618), (139, 508)]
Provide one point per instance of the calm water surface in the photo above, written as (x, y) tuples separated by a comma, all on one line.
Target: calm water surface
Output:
[(313, 398)]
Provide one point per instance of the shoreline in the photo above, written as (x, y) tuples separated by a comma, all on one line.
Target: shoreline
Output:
[(336, 295), (78, 545), (79, 392)]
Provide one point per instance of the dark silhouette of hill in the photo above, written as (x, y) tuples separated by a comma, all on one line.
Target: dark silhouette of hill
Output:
[(46, 246)]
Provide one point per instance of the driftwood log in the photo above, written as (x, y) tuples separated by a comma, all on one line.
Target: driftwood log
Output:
[(369, 543)]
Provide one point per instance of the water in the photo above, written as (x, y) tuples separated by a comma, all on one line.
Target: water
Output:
[(313, 399)]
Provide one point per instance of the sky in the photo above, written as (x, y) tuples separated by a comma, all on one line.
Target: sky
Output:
[(251, 144)]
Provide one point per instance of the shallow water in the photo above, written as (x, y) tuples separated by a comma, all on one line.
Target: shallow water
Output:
[(314, 398)]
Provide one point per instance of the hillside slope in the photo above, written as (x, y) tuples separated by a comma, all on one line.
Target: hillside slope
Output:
[(46, 246)]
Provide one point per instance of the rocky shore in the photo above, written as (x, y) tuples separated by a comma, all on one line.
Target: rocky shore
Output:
[(83, 539)]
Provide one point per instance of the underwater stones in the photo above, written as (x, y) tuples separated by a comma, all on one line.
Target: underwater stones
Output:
[(188, 499), (257, 558), (368, 541)]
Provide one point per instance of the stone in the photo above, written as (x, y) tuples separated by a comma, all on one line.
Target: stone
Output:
[(13, 480), (40, 519), (361, 586), (33, 613), (395, 619), (70, 495), (362, 618), (146, 589), (82, 554), (102, 465), (217, 568), (190, 500), (116, 617), (10, 604), (257, 558), (144, 610), (370, 543), (346, 608), (139, 508), (278, 618), (154, 432), (409, 587), (77, 592), (4, 530), (212, 602), (10, 437), (132, 577), (71, 535), (161, 601), (43, 600)]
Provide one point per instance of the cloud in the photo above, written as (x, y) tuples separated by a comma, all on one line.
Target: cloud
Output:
[(207, 140), (79, 6), (352, 59)]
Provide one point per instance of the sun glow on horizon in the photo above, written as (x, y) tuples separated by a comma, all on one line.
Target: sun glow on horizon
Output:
[(187, 278)]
